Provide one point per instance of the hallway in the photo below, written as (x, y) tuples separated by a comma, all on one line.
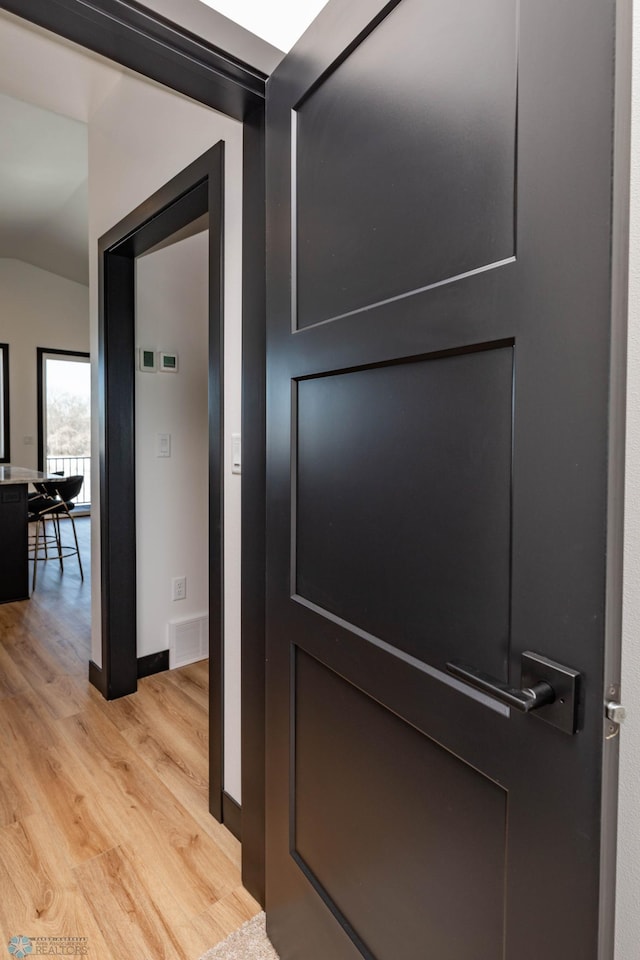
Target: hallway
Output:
[(104, 828)]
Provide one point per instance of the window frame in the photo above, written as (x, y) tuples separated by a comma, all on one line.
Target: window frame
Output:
[(43, 353), (5, 412)]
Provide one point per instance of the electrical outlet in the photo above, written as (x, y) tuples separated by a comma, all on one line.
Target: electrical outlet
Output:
[(179, 588)]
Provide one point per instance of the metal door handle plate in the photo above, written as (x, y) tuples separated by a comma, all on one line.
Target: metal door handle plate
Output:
[(548, 689)]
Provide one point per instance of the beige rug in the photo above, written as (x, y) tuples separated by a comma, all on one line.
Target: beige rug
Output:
[(248, 942)]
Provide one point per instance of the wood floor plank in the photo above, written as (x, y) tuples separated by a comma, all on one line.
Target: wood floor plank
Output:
[(64, 695), (182, 771), (22, 727), (40, 897), (66, 641), (174, 714), (216, 923), (123, 712), (129, 920), (74, 804), (159, 887), (194, 681), (15, 800), (159, 825), (166, 745), (170, 749), (200, 669), (189, 786), (190, 789), (104, 824), (32, 661), (12, 680), (55, 776)]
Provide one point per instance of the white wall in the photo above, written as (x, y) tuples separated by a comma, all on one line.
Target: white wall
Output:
[(141, 136), (172, 493), (39, 309)]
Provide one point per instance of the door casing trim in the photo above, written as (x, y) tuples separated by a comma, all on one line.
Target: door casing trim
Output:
[(197, 190)]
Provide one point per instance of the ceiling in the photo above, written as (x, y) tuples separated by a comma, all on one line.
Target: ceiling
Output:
[(279, 22), (49, 90), (43, 189)]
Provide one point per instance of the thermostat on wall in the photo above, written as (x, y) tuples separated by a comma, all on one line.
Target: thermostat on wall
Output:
[(168, 362), (147, 359)]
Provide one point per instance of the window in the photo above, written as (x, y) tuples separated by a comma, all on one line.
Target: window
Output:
[(64, 415), (4, 403)]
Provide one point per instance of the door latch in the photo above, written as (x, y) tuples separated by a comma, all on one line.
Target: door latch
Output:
[(616, 713)]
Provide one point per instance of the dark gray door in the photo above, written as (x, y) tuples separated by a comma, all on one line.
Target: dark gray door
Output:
[(441, 482)]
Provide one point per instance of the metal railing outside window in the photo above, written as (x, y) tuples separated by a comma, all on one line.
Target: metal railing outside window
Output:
[(71, 467)]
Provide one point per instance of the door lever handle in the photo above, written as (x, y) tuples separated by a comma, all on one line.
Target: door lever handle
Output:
[(548, 689), (523, 699)]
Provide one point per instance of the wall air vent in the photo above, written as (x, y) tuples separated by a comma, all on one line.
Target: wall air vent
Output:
[(188, 641)]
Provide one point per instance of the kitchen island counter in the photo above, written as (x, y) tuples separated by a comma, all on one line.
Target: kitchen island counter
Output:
[(14, 525)]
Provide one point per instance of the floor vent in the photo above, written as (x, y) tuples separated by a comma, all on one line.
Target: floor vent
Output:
[(188, 641)]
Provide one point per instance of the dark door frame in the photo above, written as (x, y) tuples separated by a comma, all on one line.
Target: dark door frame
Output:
[(138, 38), (41, 353), (196, 191)]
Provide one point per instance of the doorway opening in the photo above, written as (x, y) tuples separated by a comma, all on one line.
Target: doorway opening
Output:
[(232, 83), (176, 211), (64, 417)]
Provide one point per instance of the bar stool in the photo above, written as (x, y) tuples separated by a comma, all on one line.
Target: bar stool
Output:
[(55, 499), (36, 503)]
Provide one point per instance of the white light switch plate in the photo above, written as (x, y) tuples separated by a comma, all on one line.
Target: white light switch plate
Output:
[(236, 453), (164, 445)]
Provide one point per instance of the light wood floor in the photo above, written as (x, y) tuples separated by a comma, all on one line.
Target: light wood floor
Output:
[(104, 826)]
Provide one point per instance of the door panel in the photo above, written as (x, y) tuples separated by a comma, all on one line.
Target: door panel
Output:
[(435, 434), (351, 753), (398, 131), (439, 342)]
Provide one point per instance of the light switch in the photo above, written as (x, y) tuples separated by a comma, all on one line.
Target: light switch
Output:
[(236, 453), (164, 445)]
